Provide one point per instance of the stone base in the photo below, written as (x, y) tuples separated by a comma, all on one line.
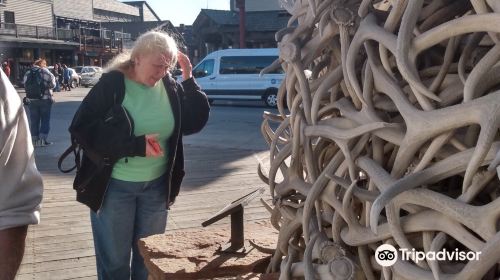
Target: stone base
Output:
[(195, 253)]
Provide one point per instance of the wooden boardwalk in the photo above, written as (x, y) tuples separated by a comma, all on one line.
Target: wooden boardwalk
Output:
[(61, 246)]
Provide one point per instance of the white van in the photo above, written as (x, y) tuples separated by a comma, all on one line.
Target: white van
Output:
[(233, 74)]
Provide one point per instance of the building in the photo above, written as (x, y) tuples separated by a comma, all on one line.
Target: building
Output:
[(187, 43), (73, 32), (218, 29), (27, 32), (135, 29), (146, 13), (97, 45), (257, 5)]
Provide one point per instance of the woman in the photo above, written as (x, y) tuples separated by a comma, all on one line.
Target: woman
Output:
[(141, 171)]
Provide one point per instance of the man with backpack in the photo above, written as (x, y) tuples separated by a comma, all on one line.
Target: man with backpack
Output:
[(38, 83)]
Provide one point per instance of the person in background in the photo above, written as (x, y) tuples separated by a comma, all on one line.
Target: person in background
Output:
[(57, 74), (40, 108), (21, 185), (6, 69), (134, 118), (60, 78), (66, 77)]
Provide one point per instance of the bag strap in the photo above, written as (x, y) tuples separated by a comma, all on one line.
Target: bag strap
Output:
[(75, 149)]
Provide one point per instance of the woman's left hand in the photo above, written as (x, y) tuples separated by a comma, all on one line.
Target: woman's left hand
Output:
[(185, 65)]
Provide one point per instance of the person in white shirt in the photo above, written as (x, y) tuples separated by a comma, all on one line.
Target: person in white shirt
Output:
[(21, 184)]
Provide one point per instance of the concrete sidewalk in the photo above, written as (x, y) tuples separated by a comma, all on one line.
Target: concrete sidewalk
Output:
[(218, 172)]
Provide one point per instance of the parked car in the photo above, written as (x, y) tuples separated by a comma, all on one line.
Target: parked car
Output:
[(90, 75), (85, 69), (78, 70), (75, 79), (233, 74)]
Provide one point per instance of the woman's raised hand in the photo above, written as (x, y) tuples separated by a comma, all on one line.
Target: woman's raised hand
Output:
[(185, 65)]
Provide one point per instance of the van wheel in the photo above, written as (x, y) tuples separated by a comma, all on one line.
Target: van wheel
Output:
[(271, 99)]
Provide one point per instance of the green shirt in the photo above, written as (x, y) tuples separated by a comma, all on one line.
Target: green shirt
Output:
[(150, 109)]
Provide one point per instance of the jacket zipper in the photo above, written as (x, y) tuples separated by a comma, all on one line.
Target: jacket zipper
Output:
[(129, 126), (173, 158), (172, 169), (128, 120)]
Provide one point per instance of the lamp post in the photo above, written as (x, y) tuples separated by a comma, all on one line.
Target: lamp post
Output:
[(241, 6)]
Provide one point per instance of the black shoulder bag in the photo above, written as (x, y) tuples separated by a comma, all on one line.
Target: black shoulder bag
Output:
[(117, 124)]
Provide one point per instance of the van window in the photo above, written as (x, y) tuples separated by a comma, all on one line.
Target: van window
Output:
[(206, 68), (246, 64)]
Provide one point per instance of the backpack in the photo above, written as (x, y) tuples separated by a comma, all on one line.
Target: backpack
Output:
[(34, 85)]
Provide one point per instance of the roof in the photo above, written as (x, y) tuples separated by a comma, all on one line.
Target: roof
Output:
[(115, 6), (37, 43), (141, 3), (254, 21)]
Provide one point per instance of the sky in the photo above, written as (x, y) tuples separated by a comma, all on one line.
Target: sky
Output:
[(184, 11)]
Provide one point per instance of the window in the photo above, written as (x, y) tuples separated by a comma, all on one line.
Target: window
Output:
[(9, 17), (86, 70), (204, 69), (246, 64)]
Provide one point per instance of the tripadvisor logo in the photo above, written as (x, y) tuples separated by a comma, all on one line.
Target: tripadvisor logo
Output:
[(387, 255)]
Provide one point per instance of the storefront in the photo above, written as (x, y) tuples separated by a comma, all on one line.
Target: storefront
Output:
[(22, 52)]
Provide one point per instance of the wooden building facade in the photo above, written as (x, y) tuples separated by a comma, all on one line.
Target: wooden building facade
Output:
[(66, 31)]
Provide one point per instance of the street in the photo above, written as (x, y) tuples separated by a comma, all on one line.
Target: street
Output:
[(231, 124), (221, 166)]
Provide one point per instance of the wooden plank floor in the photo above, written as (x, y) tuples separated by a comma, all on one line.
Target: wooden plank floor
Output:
[(61, 247)]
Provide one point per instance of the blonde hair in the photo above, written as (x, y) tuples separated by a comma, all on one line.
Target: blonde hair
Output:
[(149, 42), (40, 62)]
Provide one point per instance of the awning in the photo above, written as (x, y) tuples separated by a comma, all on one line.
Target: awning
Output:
[(25, 42)]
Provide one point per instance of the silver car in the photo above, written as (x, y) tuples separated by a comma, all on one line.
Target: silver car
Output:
[(90, 75)]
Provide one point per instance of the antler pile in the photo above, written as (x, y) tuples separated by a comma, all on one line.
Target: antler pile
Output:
[(394, 138)]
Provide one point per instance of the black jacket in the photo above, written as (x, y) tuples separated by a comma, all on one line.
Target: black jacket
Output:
[(91, 129)]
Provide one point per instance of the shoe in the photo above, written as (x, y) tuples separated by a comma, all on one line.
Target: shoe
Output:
[(37, 143), (44, 142)]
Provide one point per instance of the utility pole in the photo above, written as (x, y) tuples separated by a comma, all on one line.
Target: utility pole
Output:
[(241, 7)]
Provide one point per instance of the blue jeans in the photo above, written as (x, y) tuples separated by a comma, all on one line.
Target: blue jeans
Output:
[(130, 211), (40, 118)]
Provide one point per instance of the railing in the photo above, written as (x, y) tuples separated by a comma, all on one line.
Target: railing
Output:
[(88, 38)]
